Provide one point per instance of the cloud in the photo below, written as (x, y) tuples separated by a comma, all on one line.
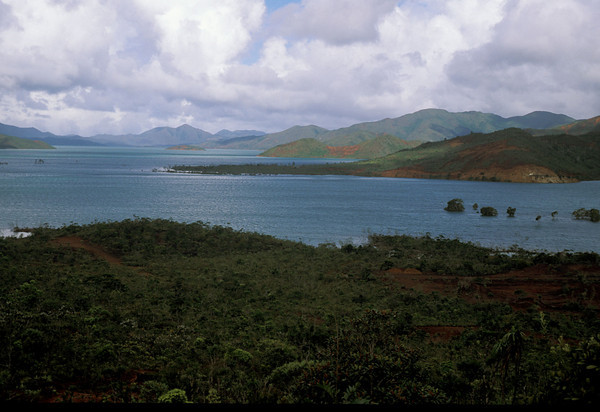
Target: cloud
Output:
[(105, 66), (540, 56), (333, 21)]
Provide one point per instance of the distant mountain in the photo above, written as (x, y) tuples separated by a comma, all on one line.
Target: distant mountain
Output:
[(539, 120), (425, 125), (511, 155), (437, 124), (51, 139), (578, 127), (12, 142), (159, 136), (273, 139), (312, 148), (26, 132)]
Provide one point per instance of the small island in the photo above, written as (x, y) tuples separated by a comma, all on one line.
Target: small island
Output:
[(185, 147)]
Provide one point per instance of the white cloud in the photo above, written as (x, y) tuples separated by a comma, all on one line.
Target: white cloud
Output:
[(541, 57), (108, 66), (333, 21)]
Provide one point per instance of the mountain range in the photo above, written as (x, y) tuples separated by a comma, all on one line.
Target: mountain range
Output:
[(423, 126)]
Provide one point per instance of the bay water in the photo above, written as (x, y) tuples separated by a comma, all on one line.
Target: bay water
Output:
[(86, 184)]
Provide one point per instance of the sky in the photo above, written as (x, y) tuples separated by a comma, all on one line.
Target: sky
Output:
[(125, 66)]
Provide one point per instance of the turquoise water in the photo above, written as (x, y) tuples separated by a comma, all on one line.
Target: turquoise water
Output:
[(82, 185)]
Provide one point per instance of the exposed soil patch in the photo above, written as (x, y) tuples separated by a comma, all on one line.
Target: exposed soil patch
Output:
[(78, 243), (342, 151), (564, 288), (550, 288), (517, 174)]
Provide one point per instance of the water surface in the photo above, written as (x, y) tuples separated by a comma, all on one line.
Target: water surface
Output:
[(82, 185)]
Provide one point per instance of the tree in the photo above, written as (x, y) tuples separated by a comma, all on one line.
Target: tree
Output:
[(455, 205), (511, 211), (507, 351), (591, 214), (488, 211)]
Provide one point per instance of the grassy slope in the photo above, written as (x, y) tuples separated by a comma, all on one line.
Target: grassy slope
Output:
[(308, 148), (10, 142)]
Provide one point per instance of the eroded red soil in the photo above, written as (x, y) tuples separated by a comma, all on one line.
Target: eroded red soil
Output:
[(550, 288)]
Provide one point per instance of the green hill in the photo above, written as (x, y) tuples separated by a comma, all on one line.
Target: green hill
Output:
[(11, 142), (508, 155), (307, 148)]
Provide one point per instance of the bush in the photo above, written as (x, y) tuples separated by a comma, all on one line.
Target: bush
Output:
[(575, 376), (584, 214), (488, 211), (173, 396), (511, 211), (455, 205)]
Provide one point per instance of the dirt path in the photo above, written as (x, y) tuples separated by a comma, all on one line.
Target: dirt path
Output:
[(76, 242)]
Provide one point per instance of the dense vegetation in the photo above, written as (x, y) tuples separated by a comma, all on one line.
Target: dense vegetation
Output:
[(10, 142), (159, 311)]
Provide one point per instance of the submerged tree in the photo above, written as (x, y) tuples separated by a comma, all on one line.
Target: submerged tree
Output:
[(511, 211), (488, 211), (455, 205), (585, 214)]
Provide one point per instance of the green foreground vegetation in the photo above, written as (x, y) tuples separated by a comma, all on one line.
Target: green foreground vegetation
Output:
[(159, 311)]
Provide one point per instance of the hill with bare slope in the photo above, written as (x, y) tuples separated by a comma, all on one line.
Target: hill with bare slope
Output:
[(312, 148), (510, 155)]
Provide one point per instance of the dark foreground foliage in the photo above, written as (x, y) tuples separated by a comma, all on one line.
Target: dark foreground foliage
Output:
[(170, 312)]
